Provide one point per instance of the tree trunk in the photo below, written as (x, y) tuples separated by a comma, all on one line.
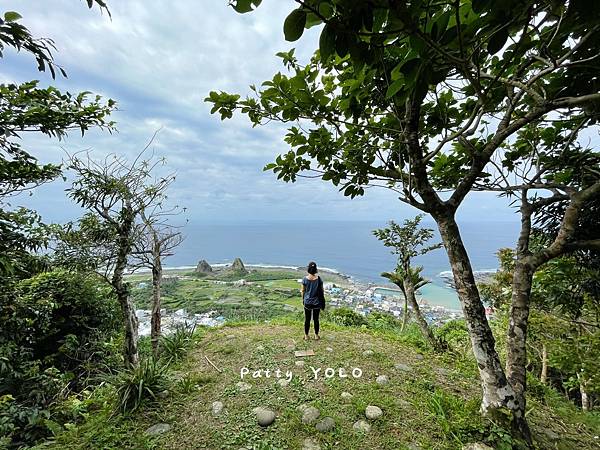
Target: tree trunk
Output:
[(409, 291), (498, 394), (544, 374), (405, 314), (516, 351), (516, 345), (130, 350), (155, 319), (585, 398)]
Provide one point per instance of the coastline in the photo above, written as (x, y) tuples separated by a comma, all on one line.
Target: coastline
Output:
[(436, 297)]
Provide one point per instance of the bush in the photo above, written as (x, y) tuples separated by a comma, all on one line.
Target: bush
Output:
[(140, 384), (455, 334), (383, 321), (346, 317), (54, 326), (175, 346)]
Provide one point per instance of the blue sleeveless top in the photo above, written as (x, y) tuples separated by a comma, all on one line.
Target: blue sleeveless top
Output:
[(311, 293)]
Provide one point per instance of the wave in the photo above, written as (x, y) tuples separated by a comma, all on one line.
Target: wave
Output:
[(448, 273)]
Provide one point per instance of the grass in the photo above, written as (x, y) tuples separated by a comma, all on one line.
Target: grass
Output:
[(433, 405)]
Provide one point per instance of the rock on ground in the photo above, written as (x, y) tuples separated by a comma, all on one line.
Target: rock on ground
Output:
[(283, 382), (242, 386), (217, 408), (403, 367), (368, 353), (373, 412), (346, 396), (477, 446), (310, 414), (362, 426), (310, 444), (329, 349), (158, 428), (325, 425), (299, 363), (264, 416), (382, 379)]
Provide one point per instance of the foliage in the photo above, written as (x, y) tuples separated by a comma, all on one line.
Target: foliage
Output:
[(174, 346), (455, 334), (346, 317), (141, 384), (28, 108), (52, 341)]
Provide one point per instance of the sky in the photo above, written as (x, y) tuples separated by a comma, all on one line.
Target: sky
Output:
[(159, 60)]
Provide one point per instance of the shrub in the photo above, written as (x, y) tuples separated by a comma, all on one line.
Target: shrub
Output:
[(140, 384), (455, 334), (175, 346), (54, 326), (383, 321), (346, 317)]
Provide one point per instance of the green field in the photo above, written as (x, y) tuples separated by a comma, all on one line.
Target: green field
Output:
[(269, 292)]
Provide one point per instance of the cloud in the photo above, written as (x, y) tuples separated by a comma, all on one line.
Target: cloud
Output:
[(159, 60)]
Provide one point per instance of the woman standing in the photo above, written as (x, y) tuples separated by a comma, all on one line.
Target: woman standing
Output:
[(313, 298)]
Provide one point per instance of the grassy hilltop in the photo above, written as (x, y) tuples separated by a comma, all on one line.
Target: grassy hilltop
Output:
[(429, 401)]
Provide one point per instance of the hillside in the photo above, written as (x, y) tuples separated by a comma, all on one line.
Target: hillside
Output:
[(427, 402)]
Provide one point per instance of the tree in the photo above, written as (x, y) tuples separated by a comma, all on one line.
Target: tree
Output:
[(116, 193), (417, 97), (408, 241), (27, 108), (157, 239)]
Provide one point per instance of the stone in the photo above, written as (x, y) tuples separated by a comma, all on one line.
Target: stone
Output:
[(442, 371), (373, 412), (310, 444), (419, 357), (283, 382), (230, 336), (217, 408), (265, 417), (310, 414), (203, 267), (163, 394), (238, 267), (477, 446), (368, 353), (259, 348), (329, 349), (382, 379), (159, 428), (243, 386), (346, 396), (403, 367), (301, 408), (299, 363), (362, 426), (325, 425)]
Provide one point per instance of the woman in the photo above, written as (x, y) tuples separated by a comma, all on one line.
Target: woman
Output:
[(313, 298)]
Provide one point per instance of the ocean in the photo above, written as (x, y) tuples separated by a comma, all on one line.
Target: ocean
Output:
[(348, 247)]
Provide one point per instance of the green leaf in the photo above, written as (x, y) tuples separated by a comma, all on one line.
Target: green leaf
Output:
[(12, 16), (326, 42), (293, 27), (242, 6), (394, 88), (497, 41)]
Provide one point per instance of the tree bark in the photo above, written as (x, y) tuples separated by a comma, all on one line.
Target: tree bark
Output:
[(585, 398), (155, 320), (409, 294), (544, 373), (405, 314), (130, 349), (497, 392)]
